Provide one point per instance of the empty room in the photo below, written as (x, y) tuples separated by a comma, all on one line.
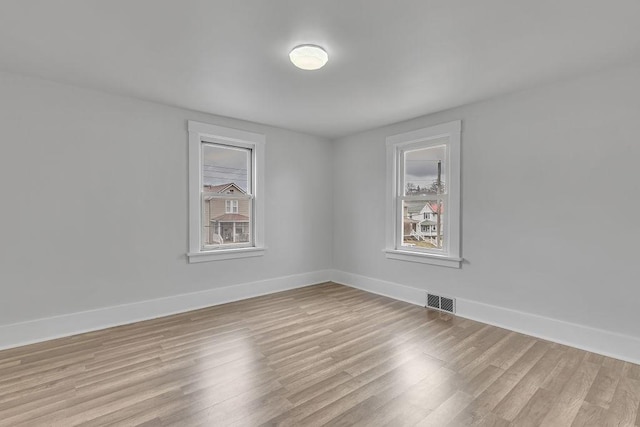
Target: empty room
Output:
[(307, 213)]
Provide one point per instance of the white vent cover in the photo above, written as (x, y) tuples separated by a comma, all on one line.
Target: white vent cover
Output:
[(441, 303)]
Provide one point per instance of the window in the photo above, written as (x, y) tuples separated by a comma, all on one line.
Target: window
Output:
[(226, 204), (423, 195), (231, 206)]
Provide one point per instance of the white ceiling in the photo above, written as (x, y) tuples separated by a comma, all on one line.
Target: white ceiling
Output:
[(389, 60)]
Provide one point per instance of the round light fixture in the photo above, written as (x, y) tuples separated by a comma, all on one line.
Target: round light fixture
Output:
[(308, 57)]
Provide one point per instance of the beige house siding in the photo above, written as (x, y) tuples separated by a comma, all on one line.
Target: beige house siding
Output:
[(205, 222), (215, 207)]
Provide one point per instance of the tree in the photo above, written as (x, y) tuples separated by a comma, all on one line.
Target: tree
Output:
[(433, 188)]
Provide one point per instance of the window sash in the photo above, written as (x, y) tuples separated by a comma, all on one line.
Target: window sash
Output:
[(227, 196), (400, 198), (204, 196), (400, 154), (421, 198), (250, 159)]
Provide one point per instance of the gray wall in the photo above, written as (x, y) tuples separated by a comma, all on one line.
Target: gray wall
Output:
[(94, 212), (94, 202), (550, 203)]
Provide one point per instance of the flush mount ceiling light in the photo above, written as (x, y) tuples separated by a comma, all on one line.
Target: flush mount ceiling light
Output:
[(308, 57)]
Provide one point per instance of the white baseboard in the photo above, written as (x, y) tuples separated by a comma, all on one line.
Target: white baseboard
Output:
[(381, 287), (29, 332), (607, 343)]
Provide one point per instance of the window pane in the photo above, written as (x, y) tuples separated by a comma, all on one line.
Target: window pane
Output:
[(221, 227), (421, 221), (223, 166), (424, 171), (231, 206)]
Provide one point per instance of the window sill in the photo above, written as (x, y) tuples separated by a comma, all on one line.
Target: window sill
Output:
[(423, 258), (223, 254)]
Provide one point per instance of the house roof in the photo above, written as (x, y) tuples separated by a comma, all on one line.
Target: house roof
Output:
[(433, 206), (414, 207), (223, 188), (436, 209), (231, 218)]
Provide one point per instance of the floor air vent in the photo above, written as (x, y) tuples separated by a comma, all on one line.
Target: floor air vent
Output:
[(441, 303)]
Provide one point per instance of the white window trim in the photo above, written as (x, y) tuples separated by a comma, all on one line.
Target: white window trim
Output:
[(232, 206), (199, 132), (395, 143)]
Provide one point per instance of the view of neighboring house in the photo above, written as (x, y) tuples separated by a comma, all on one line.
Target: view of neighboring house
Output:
[(225, 219), (421, 224)]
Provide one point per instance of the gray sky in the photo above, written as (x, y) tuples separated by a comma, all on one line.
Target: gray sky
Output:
[(421, 166), (221, 165)]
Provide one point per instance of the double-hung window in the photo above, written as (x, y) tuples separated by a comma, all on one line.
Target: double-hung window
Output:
[(423, 195), (226, 200)]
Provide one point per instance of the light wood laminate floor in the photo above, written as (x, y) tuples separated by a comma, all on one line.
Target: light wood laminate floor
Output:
[(325, 354)]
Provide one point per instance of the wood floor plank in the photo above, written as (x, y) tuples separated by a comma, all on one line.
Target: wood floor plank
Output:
[(320, 355), (589, 415), (603, 387), (447, 411), (403, 373), (563, 411), (625, 403), (579, 384), (523, 392), (535, 409), (496, 392)]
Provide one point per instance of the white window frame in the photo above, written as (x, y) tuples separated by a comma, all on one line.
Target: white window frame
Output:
[(450, 255), (200, 133), (231, 206)]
